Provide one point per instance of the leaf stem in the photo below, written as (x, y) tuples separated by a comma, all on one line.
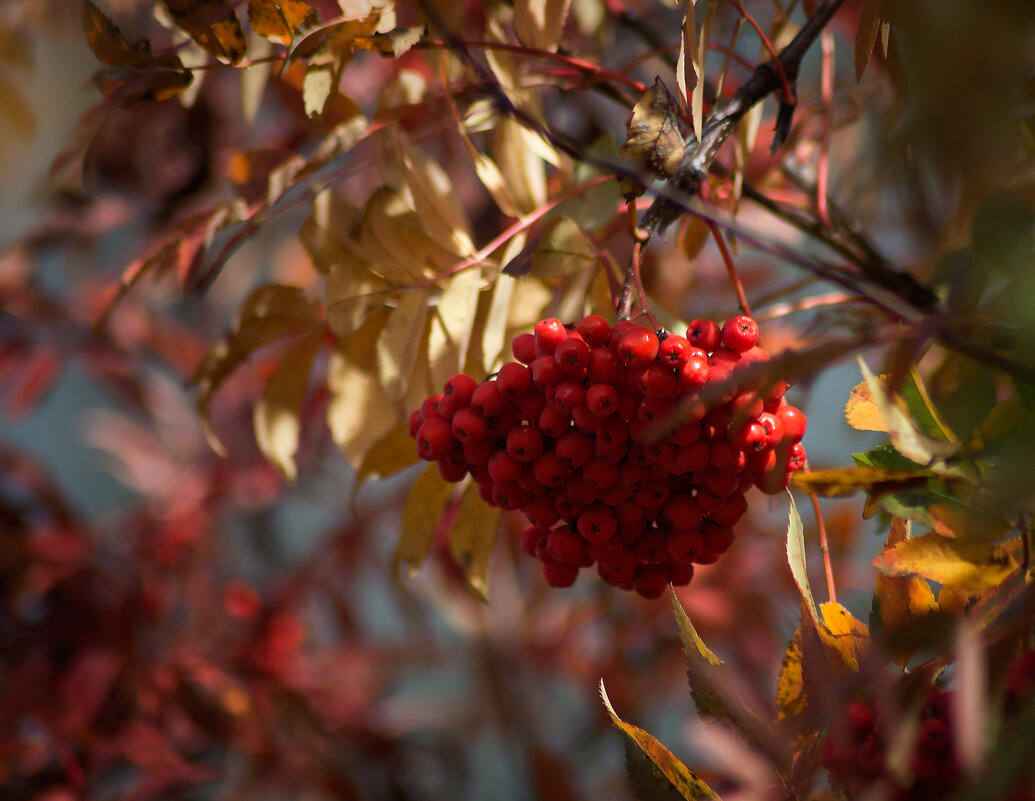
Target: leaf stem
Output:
[(824, 546), (787, 93)]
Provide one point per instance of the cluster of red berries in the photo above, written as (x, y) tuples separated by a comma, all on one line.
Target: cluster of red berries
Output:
[(856, 756), (570, 435)]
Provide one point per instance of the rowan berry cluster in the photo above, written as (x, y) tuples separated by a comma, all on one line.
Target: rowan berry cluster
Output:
[(572, 434), (856, 756)]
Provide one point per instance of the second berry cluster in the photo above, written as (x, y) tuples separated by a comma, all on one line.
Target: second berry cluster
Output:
[(602, 437)]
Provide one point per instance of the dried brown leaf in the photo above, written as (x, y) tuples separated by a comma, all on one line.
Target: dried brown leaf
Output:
[(654, 140), (212, 25)]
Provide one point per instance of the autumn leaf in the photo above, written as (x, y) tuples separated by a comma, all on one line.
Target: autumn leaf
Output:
[(686, 70), (397, 346), (424, 507), (278, 20), (971, 567), (270, 313), (876, 481), (654, 140), (563, 249), (790, 687), (539, 23), (395, 451), (452, 325), (861, 412), (212, 25), (866, 35), (473, 537), (654, 773), (796, 560), (393, 43), (278, 414)]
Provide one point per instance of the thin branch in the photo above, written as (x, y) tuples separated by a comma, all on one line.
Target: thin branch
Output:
[(731, 268)]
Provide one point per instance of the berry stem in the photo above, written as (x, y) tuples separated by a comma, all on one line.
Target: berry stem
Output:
[(730, 268), (824, 545)]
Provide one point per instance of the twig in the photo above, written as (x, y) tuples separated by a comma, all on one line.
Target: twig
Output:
[(824, 546), (827, 91), (731, 268)]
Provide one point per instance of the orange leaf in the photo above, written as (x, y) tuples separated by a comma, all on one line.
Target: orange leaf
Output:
[(278, 19)]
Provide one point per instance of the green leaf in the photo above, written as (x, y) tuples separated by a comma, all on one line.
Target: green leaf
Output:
[(654, 773)]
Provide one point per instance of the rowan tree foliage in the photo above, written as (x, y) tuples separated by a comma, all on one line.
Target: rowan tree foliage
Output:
[(284, 227)]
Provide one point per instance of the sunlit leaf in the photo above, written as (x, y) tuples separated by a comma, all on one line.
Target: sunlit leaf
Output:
[(278, 414), (473, 538), (971, 567), (875, 481), (790, 687), (394, 43), (358, 413), (905, 435), (452, 325), (268, 314), (494, 335), (563, 250), (397, 345), (796, 559), (424, 507), (278, 19), (212, 25), (539, 23), (861, 412), (654, 773), (438, 206), (319, 87), (686, 70), (654, 140), (521, 166), (845, 635)]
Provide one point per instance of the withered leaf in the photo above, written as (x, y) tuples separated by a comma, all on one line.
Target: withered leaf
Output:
[(212, 25), (539, 23), (654, 140), (394, 43), (653, 771), (876, 481), (398, 343), (278, 20), (562, 250), (395, 451)]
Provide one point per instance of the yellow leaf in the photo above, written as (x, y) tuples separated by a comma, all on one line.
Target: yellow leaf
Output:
[(397, 345), (539, 23), (394, 43), (395, 451), (392, 241), (452, 324), (495, 333), (420, 518), (875, 480), (846, 636), (438, 206), (654, 773), (521, 167), (278, 414), (473, 538), (269, 313), (898, 600), (563, 250), (861, 412), (359, 413), (653, 139), (790, 688), (212, 25), (970, 567), (319, 87), (278, 19), (686, 73)]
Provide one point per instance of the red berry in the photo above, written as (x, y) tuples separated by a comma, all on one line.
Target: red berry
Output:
[(487, 400), (618, 331), (657, 381), (524, 444), (794, 422), (429, 408), (613, 431), (717, 539), (603, 367), (595, 330), (653, 496), (750, 437), (773, 429), (434, 439), (703, 334), (761, 462), (680, 575), (415, 422), (510, 495), (729, 513), (740, 333), (478, 451), (619, 571), (501, 424), (469, 425), (460, 388), (681, 511), (523, 348), (694, 457), (727, 457), (602, 399), (565, 545), (651, 582), (513, 380), (600, 473), (553, 424), (685, 545), (503, 467), (674, 351), (575, 448), (650, 548), (549, 470), (796, 458), (451, 472), (584, 419), (532, 537), (568, 395), (572, 356), (541, 512), (638, 346), (686, 434), (597, 524), (581, 490), (546, 372), (694, 373), (559, 575), (549, 333), (722, 484), (530, 405)]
